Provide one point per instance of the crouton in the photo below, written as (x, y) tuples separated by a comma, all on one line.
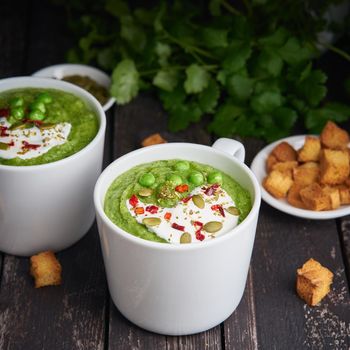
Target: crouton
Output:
[(284, 152), (334, 167), (310, 152), (344, 194), (306, 173), (153, 139), (285, 166), (293, 196), (314, 198), (333, 195), (313, 282), (45, 269), (278, 183), (270, 161), (334, 137)]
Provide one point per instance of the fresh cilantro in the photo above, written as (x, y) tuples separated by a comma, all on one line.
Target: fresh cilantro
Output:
[(125, 81), (249, 65)]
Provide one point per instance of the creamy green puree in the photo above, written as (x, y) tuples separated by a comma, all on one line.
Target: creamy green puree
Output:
[(156, 183), (61, 107)]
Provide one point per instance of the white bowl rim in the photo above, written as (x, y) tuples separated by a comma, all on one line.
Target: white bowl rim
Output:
[(48, 72), (285, 207), (64, 86), (176, 247)]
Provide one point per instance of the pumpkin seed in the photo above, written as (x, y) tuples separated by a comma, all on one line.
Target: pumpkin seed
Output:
[(185, 238), (4, 146), (151, 221), (198, 201), (47, 126), (233, 210), (212, 226), (145, 192), (19, 126)]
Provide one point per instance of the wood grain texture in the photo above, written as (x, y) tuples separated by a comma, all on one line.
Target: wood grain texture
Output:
[(283, 244), (71, 316)]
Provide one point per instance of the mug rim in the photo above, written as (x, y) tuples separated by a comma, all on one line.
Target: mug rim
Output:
[(66, 87), (254, 211)]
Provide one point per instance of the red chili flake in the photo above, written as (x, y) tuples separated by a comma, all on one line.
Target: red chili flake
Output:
[(218, 208), (152, 209), (3, 131), (4, 112), (139, 210), (211, 189), (28, 145), (199, 235), (186, 199), (133, 200), (178, 227), (12, 143), (37, 123), (181, 188), (167, 216), (198, 224)]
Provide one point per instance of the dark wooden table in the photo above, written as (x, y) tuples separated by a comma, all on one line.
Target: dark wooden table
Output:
[(80, 314)]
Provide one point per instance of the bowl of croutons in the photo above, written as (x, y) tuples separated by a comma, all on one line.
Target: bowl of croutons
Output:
[(307, 175)]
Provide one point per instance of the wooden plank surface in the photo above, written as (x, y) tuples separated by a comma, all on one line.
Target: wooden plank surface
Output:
[(71, 316)]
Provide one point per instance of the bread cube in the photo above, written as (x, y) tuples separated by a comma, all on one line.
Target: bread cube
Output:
[(270, 161), (310, 152), (334, 196), (334, 166), (314, 198), (344, 194), (313, 282), (284, 152), (285, 166), (306, 173), (45, 269), (153, 139), (334, 137), (278, 183), (293, 196)]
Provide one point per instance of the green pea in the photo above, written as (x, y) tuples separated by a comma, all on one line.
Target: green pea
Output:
[(182, 165), (16, 102), (40, 106), (215, 177), (36, 115), (175, 179), (196, 178), (147, 180), (44, 97), (17, 113)]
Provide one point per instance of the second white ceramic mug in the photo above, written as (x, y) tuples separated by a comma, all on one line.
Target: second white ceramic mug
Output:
[(49, 206), (178, 289)]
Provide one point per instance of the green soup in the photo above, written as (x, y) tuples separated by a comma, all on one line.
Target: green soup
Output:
[(61, 107), (157, 185)]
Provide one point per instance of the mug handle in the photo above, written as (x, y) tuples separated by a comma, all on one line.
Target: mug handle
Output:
[(232, 147)]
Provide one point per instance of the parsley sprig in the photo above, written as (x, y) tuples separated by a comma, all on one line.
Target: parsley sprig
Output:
[(251, 69)]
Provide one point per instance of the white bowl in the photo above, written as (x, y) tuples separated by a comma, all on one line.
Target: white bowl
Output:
[(259, 169), (50, 206), (58, 71)]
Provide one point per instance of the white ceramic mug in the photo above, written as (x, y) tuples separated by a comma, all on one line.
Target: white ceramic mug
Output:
[(178, 289), (49, 206)]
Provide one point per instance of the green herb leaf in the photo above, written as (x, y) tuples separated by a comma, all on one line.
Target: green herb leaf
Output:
[(166, 79), (164, 52), (266, 102), (132, 33), (211, 37), (117, 8), (239, 86), (236, 57), (181, 116), (271, 63), (208, 98), (294, 53), (197, 79), (312, 88), (125, 81), (276, 39)]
